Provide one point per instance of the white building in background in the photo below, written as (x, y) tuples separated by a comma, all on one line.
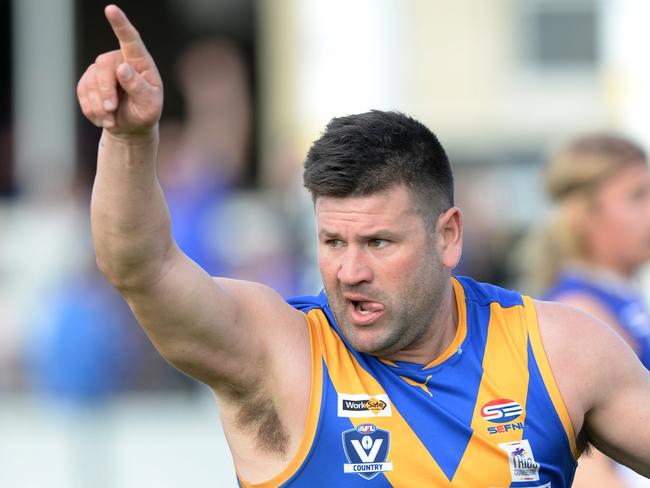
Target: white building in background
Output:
[(486, 76)]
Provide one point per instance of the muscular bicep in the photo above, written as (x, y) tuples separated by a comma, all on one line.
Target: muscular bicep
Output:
[(219, 331), (618, 422), (604, 385)]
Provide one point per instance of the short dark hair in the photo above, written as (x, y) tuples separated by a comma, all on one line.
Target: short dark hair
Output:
[(362, 154)]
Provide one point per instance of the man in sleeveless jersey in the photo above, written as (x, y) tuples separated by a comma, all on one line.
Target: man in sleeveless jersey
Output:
[(397, 374)]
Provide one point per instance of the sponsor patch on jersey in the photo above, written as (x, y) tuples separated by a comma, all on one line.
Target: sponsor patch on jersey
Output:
[(523, 466), (366, 448), (364, 406), (501, 410)]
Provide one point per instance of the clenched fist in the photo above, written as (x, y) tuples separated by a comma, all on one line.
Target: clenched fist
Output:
[(122, 90)]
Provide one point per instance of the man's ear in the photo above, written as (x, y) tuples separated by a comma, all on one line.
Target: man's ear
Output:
[(449, 231)]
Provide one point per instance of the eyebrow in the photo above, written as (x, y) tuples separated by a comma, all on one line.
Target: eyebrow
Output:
[(379, 233), (326, 234)]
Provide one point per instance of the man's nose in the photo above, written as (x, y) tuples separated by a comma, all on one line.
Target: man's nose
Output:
[(354, 267)]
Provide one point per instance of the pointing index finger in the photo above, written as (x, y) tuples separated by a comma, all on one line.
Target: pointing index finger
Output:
[(131, 44)]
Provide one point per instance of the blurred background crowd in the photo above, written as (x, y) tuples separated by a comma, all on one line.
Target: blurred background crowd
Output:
[(85, 401)]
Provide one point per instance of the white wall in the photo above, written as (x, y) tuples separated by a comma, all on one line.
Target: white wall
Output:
[(156, 441)]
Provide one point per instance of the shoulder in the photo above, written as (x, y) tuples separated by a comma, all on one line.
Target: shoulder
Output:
[(580, 348), (568, 330), (587, 301), (570, 314), (595, 306), (261, 302)]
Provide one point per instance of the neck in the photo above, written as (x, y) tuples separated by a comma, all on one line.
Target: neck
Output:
[(438, 337)]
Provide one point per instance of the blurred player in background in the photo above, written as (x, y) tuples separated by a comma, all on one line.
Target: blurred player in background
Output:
[(591, 250)]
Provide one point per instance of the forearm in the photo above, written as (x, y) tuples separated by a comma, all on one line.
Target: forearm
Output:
[(130, 221)]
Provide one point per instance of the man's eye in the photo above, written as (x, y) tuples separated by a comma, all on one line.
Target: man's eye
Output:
[(377, 243), (333, 242)]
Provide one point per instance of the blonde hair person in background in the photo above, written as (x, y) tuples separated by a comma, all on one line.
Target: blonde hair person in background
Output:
[(591, 249)]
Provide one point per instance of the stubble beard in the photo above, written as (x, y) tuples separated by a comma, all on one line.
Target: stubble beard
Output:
[(407, 319)]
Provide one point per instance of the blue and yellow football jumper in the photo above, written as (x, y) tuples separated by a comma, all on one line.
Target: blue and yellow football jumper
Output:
[(486, 413)]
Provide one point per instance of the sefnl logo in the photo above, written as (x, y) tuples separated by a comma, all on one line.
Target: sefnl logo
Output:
[(523, 466), (366, 448), (501, 410)]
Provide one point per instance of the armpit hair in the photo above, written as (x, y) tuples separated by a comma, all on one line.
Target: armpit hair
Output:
[(258, 416), (582, 442)]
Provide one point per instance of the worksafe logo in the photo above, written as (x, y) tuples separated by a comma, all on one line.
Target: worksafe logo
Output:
[(366, 448), (364, 406), (523, 466), (501, 410)]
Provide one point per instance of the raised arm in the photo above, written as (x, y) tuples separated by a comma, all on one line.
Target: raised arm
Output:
[(604, 385), (217, 330)]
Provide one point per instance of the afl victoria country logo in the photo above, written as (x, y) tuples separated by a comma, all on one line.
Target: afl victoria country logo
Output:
[(501, 410), (366, 447)]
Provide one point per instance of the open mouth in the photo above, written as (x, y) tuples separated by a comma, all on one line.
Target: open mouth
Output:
[(361, 307), (365, 312)]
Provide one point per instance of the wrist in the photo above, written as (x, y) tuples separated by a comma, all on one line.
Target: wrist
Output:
[(139, 138)]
